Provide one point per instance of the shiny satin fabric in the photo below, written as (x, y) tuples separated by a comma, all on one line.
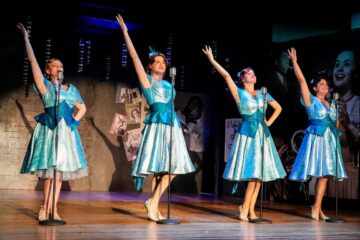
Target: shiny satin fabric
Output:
[(245, 158), (41, 157), (161, 113), (154, 150), (316, 156)]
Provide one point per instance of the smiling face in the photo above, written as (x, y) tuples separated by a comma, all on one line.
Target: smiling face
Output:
[(321, 88), (249, 77), (157, 64), (344, 69)]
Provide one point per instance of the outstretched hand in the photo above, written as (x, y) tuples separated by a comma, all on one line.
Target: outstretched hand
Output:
[(121, 22), (292, 54), (23, 30), (208, 52)]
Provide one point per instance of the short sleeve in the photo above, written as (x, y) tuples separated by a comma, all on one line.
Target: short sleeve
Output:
[(147, 91), (78, 98), (269, 98), (46, 83)]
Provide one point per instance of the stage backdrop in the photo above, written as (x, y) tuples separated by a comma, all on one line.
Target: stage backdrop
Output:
[(338, 56)]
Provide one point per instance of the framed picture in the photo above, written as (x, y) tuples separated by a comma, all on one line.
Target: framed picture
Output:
[(131, 140), (133, 113), (119, 124)]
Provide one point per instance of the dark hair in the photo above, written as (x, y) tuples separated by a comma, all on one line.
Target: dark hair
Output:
[(321, 75), (241, 75), (151, 60)]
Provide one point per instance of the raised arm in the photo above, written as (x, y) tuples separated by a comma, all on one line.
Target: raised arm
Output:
[(139, 68), (37, 74), (229, 81), (305, 93)]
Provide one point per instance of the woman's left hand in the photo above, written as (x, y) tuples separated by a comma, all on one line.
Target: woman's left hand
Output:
[(267, 123)]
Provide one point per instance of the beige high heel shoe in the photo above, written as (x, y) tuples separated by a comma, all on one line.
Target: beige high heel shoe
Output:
[(323, 216), (159, 216), (242, 217), (42, 214), (314, 216), (150, 214)]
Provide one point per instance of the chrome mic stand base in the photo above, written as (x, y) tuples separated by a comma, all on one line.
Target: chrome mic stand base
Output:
[(52, 222), (335, 220), (168, 222), (260, 221)]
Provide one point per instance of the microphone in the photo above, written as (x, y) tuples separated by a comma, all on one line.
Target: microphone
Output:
[(264, 91), (172, 73), (60, 76)]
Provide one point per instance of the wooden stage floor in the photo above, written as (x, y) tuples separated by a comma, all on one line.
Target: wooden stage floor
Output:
[(108, 215)]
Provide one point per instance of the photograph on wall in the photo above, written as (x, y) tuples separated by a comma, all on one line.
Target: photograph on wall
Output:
[(193, 112), (133, 113), (136, 96), (119, 124), (123, 93), (131, 140)]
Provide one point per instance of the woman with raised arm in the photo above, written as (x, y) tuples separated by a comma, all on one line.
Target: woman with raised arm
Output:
[(43, 155), (154, 150), (316, 156), (245, 158)]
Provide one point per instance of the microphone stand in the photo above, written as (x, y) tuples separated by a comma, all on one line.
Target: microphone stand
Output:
[(168, 220), (51, 221), (261, 219), (336, 219)]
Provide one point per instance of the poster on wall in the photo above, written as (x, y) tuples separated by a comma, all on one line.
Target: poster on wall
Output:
[(127, 95), (230, 125), (118, 125), (131, 140), (193, 112), (133, 113)]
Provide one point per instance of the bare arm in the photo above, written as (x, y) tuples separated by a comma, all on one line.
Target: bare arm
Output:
[(38, 76), (139, 68), (229, 81), (81, 111), (305, 93), (277, 110)]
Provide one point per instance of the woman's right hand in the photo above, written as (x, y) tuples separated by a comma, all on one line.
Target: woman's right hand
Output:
[(208, 52), (121, 22), (292, 55), (23, 30)]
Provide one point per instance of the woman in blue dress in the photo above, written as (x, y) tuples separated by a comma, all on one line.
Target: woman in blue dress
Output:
[(316, 156), (244, 161), (42, 154), (154, 150)]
